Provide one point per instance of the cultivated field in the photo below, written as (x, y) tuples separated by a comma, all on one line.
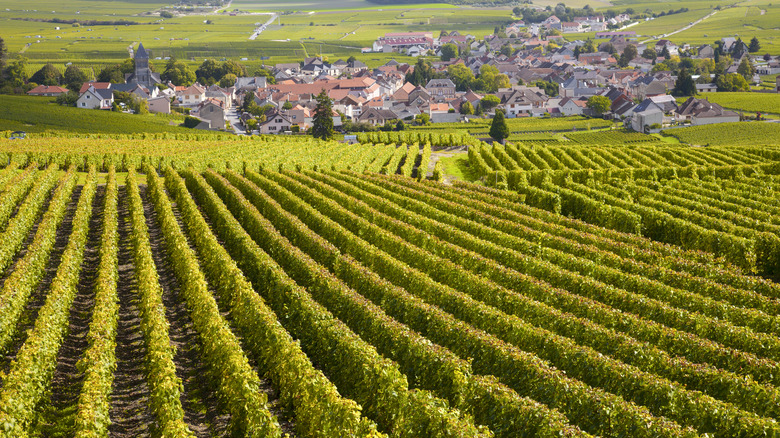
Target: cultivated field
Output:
[(299, 296)]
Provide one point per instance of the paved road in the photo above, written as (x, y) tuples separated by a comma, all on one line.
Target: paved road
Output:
[(231, 116), (682, 29)]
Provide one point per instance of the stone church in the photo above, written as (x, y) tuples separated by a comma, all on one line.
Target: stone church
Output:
[(143, 75)]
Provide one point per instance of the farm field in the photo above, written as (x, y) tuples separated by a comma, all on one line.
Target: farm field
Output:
[(728, 134), (753, 102), (344, 294)]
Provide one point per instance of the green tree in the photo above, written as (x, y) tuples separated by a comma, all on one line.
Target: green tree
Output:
[(209, 72), (322, 126), (550, 88), (491, 79), (754, 46), (47, 75), (665, 53), (732, 82), (74, 78), (506, 50), (449, 51), (489, 102), (400, 126), (16, 72), (499, 130), (467, 108), (577, 52), (266, 74), (599, 104), (287, 105), (178, 73), (228, 80), (461, 75), (649, 53), (232, 67), (684, 86), (3, 54), (68, 99), (746, 68), (588, 47), (629, 53), (112, 73)]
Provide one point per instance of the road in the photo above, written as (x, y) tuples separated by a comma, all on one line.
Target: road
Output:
[(681, 29), (262, 27), (231, 116)]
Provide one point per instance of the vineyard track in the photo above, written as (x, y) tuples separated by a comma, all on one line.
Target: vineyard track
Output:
[(67, 380), (38, 296), (286, 422), (202, 412), (129, 410)]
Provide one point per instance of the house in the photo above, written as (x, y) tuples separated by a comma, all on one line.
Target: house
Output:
[(670, 46), (275, 123), (192, 95), (252, 83), (645, 115), (377, 116), (213, 111), (521, 101), (705, 51), (441, 88), (96, 85), (571, 27), (222, 94), (572, 106), (703, 112), (552, 22), (96, 98), (706, 88), (47, 90), (770, 68), (160, 104)]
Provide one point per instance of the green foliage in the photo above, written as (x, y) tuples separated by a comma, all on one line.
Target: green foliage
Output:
[(732, 82), (322, 125), (467, 108), (74, 78), (47, 75), (449, 51), (191, 122), (599, 104), (499, 130), (489, 102), (684, 85), (754, 46), (178, 73)]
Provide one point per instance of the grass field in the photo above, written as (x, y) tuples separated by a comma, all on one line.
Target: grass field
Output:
[(41, 114), (753, 102), (729, 134)]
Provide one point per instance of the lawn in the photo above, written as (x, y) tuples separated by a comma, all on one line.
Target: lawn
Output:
[(41, 114), (752, 102)]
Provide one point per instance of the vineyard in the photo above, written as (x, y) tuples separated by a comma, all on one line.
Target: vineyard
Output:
[(269, 288)]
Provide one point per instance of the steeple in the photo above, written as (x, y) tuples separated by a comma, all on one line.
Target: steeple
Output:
[(141, 53), (142, 72)]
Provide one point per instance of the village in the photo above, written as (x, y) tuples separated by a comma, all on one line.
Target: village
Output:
[(524, 70)]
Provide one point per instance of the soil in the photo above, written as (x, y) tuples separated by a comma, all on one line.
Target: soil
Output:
[(38, 296), (129, 411), (202, 411), (59, 415)]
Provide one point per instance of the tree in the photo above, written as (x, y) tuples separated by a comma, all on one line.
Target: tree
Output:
[(684, 86), (491, 79), (322, 126), (112, 73), (209, 72), (609, 48), (166, 14), (649, 53), (228, 80), (68, 99), (732, 82), (754, 46), (461, 75), (506, 50), (232, 67), (489, 102), (746, 68), (400, 126), (767, 57), (351, 59), (498, 127), (599, 104), (178, 73), (467, 108), (449, 51), (74, 78), (16, 73), (3, 53), (550, 88), (577, 52), (665, 53), (47, 75), (629, 53), (588, 47), (287, 105)]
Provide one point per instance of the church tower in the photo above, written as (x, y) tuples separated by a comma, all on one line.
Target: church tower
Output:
[(142, 72)]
